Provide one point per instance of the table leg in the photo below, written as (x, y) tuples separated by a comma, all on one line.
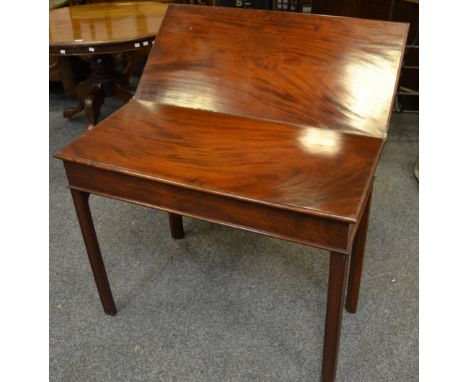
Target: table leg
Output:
[(81, 91), (81, 201), (93, 102), (104, 81), (177, 226), (357, 259), (336, 292), (90, 98), (122, 92)]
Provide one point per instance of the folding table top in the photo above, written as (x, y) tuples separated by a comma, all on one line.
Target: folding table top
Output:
[(321, 71), (285, 109)]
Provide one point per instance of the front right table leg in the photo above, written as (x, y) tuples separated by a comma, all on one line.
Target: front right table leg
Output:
[(335, 300), (336, 292), (357, 259)]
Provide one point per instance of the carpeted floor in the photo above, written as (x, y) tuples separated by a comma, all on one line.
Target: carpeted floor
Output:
[(223, 304)]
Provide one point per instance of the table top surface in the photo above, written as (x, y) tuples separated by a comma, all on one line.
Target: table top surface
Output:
[(284, 109), (322, 71), (304, 168), (103, 24)]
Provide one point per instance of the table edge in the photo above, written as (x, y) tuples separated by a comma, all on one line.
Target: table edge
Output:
[(306, 211), (100, 47)]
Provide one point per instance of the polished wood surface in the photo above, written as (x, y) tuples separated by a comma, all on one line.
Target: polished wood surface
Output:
[(104, 27), (324, 72), (99, 30), (315, 171), (81, 201), (273, 123), (399, 10), (334, 314), (357, 260), (301, 228)]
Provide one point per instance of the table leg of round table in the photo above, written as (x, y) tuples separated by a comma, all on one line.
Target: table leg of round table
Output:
[(92, 105), (90, 98), (103, 81), (121, 91)]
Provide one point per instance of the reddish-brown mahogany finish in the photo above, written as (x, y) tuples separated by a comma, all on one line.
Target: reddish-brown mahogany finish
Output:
[(269, 122), (357, 259), (335, 298), (80, 199), (301, 168), (321, 71), (97, 30)]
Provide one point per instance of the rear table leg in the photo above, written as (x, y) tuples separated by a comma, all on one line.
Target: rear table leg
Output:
[(177, 226)]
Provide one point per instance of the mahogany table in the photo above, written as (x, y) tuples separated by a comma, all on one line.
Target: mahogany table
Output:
[(267, 121), (100, 30)]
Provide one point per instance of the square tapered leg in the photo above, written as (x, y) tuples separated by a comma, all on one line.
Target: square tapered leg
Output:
[(357, 259), (81, 201), (176, 225), (335, 301)]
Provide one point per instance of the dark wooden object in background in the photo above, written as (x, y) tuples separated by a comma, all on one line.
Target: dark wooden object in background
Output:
[(101, 30), (61, 70), (276, 136), (104, 81), (176, 225)]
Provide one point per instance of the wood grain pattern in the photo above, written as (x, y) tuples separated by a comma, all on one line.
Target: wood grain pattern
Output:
[(269, 122), (311, 230), (326, 72), (300, 168), (105, 27), (403, 11), (357, 260)]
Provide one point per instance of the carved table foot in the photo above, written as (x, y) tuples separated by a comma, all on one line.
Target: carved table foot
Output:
[(92, 105), (103, 81), (90, 98), (81, 90), (121, 91)]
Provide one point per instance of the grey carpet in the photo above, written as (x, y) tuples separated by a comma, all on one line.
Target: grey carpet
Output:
[(223, 304)]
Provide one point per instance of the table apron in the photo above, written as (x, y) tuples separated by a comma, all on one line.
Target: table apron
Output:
[(70, 49), (285, 224)]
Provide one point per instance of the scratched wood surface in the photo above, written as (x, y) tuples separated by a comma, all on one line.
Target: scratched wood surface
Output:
[(283, 109)]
